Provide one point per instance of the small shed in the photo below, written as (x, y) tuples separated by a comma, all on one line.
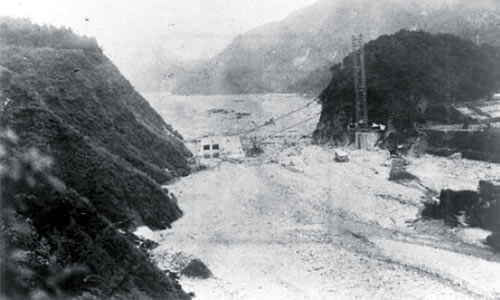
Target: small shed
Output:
[(221, 147)]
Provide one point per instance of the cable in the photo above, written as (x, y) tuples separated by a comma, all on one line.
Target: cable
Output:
[(268, 122), (289, 127), (294, 111), (275, 119)]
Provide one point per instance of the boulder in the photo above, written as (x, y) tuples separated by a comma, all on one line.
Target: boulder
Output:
[(487, 212), (196, 269), (494, 240), (455, 203), (341, 156)]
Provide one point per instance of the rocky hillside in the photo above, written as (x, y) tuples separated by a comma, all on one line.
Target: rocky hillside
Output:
[(105, 153), (411, 75), (294, 55)]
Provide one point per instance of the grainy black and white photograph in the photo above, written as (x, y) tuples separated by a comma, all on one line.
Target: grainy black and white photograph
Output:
[(249, 149)]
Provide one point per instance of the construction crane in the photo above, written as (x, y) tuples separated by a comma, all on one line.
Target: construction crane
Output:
[(360, 82)]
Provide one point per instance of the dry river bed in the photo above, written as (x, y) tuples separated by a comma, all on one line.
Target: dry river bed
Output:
[(294, 224)]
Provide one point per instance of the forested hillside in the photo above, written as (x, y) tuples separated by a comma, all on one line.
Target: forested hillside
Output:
[(83, 156), (410, 75), (294, 55)]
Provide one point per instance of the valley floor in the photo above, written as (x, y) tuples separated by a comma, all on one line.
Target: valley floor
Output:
[(301, 226), (294, 224)]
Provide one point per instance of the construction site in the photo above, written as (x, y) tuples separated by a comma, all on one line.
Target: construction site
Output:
[(275, 215), (241, 150)]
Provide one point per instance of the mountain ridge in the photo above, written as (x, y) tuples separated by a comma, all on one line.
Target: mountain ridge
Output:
[(294, 55)]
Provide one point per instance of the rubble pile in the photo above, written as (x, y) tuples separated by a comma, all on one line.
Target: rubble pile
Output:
[(178, 262), (479, 208), (170, 259)]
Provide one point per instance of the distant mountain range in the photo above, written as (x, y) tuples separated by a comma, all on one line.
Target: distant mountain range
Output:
[(295, 55)]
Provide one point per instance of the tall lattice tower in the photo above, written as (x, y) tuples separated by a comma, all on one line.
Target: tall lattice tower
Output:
[(360, 81)]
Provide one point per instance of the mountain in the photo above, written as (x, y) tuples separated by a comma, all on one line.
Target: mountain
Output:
[(294, 55), (411, 76), (83, 156)]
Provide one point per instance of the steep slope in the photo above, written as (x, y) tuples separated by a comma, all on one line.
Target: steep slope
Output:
[(294, 55), (105, 151), (410, 75), (84, 89), (57, 245), (52, 92)]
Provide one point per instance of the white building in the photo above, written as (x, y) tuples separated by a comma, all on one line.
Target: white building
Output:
[(221, 147)]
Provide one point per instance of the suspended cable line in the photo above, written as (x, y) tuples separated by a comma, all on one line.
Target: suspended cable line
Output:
[(290, 127), (272, 120)]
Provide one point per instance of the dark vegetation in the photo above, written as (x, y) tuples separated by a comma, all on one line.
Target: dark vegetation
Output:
[(84, 89), (24, 34), (56, 244), (412, 77), (83, 169)]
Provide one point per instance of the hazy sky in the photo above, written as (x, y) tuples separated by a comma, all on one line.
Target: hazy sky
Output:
[(188, 29)]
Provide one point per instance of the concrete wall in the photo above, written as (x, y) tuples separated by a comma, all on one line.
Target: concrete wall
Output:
[(366, 140)]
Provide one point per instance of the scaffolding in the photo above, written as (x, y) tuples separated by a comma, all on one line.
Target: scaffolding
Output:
[(360, 82)]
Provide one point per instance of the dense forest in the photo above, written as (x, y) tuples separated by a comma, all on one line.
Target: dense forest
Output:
[(411, 76), (83, 156), (22, 32)]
